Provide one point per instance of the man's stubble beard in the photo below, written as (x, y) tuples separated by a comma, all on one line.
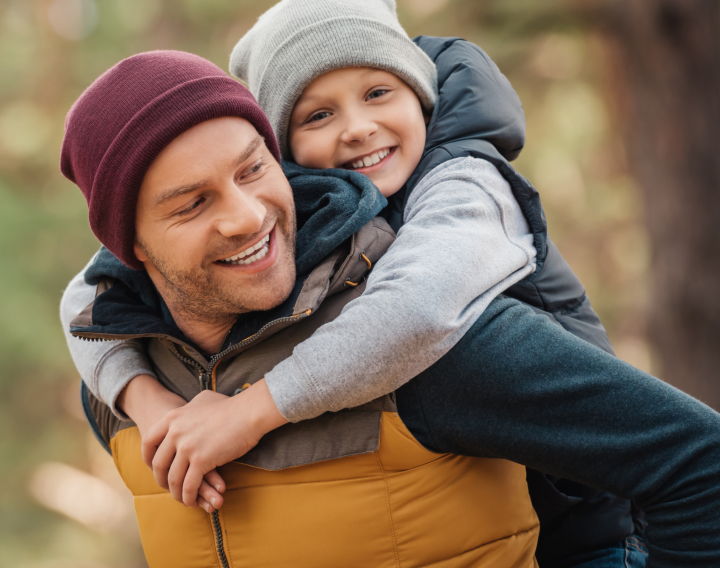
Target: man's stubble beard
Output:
[(199, 296)]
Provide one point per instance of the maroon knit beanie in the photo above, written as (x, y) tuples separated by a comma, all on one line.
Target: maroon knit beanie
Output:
[(123, 121)]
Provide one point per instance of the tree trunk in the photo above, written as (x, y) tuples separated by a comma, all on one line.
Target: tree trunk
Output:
[(665, 62)]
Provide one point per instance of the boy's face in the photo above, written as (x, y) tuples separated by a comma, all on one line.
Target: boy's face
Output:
[(361, 119)]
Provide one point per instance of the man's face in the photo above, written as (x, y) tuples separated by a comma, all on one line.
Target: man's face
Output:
[(215, 223)]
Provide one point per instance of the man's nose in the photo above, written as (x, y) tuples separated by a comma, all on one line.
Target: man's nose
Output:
[(358, 128), (242, 212)]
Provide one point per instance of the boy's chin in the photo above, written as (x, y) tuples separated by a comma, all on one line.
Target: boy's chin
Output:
[(386, 188)]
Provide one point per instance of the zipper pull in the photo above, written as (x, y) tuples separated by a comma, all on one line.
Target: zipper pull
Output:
[(204, 380)]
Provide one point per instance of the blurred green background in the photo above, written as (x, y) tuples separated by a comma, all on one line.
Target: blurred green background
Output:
[(61, 501)]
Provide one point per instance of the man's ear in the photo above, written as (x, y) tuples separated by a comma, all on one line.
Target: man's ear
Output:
[(139, 252)]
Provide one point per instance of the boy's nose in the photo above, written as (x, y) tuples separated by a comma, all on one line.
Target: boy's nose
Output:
[(242, 213), (358, 129)]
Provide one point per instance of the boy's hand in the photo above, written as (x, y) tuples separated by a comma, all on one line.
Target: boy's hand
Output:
[(146, 402), (210, 431)]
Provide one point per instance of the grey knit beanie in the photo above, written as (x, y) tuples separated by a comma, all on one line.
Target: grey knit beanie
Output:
[(296, 41)]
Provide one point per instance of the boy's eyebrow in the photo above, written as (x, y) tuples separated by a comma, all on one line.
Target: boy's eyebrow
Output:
[(183, 189)]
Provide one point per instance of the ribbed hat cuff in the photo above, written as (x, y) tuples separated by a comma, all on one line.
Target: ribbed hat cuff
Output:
[(158, 123)]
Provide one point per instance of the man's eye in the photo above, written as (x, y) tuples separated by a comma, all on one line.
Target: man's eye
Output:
[(195, 205), (253, 169), (319, 116), (376, 93)]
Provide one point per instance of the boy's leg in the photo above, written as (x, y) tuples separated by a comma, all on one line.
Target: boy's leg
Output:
[(518, 387), (629, 553)]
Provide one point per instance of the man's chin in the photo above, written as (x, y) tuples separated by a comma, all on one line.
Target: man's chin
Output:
[(259, 291)]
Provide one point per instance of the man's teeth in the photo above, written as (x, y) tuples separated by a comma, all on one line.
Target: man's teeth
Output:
[(243, 258), (370, 160)]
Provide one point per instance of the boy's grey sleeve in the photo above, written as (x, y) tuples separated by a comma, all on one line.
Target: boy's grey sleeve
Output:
[(465, 240), (106, 367)]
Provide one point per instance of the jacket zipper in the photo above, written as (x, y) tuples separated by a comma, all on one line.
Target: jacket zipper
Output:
[(206, 383)]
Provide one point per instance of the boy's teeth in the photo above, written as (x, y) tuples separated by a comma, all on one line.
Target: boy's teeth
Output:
[(370, 160)]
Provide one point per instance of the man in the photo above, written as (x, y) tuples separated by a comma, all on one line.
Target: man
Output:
[(139, 214)]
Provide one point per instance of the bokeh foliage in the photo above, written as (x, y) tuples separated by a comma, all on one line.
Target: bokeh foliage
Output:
[(50, 50)]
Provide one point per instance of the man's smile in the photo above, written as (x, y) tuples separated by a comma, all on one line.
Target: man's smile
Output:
[(257, 257), (243, 257)]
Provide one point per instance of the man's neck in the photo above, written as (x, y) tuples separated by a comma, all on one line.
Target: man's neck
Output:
[(207, 333), (208, 336)]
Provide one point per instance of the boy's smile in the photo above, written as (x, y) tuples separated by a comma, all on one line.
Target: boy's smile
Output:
[(368, 162), (360, 119)]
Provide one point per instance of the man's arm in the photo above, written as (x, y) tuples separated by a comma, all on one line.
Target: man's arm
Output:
[(519, 387), (464, 241)]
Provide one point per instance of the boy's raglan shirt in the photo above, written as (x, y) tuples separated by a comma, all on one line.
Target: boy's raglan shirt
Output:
[(464, 241)]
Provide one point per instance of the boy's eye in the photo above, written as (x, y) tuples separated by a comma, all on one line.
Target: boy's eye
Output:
[(318, 116), (376, 93)]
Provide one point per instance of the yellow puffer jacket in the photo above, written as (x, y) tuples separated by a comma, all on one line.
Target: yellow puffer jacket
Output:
[(400, 506)]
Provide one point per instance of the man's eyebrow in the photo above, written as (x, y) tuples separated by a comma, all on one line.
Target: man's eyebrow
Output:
[(254, 145), (178, 191), (183, 189)]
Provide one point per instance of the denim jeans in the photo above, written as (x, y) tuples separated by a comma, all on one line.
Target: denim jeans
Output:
[(630, 553)]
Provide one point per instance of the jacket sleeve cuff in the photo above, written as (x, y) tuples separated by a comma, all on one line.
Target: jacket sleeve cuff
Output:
[(293, 392), (117, 368)]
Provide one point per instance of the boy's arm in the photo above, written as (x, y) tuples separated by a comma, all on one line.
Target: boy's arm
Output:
[(464, 241), (519, 387), (106, 367)]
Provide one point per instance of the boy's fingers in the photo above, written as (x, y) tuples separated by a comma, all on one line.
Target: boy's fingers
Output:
[(215, 480), (191, 485), (176, 476), (205, 505), (210, 495), (161, 463)]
